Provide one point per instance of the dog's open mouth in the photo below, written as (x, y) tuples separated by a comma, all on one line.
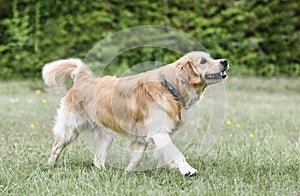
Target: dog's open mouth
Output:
[(216, 76)]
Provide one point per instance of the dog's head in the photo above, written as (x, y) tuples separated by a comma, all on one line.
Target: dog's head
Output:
[(201, 68)]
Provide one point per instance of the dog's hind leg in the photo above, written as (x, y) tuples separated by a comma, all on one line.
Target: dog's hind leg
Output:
[(104, 141), (64, 135), (136, 155)]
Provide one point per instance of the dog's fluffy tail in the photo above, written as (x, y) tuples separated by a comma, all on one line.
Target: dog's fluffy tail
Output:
[(59, 72)]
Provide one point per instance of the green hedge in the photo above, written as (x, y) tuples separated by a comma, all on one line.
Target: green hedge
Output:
[(259, 37)]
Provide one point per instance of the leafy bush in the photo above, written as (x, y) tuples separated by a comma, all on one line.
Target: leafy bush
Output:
[(258, 37)]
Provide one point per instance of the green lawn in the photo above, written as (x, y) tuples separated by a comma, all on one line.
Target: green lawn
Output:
[(261, 157)]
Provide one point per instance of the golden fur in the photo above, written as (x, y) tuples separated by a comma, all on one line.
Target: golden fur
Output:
[(127, 105)]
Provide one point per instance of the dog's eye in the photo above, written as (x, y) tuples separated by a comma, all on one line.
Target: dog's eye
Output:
[(203, 61)]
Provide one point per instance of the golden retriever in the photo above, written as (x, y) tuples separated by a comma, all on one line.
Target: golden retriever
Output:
[(146, 107)]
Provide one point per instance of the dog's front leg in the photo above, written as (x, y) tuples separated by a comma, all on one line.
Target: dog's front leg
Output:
[(169, 155), (136, 155), (104, 141)]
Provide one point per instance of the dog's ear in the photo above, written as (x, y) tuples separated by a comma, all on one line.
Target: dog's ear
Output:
[(187, 69)]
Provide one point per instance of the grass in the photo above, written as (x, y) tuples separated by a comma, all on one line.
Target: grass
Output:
[(261, 157)]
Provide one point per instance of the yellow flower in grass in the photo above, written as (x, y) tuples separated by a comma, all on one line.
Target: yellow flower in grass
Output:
[(251, 135), (32, 126), (44, 101), (15, 144), (238, 126), (228, 122), (38, 91), (186, 134)]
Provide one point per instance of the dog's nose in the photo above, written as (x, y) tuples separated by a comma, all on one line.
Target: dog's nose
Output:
[(224, 62)]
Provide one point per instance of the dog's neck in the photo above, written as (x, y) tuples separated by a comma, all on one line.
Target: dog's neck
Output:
[(185, 93), (172, 90)]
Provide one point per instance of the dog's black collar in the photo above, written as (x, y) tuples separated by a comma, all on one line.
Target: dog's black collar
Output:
[(171, 89)]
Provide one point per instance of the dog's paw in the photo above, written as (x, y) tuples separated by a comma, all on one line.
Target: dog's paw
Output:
[(100, 167), (183, 166), (99, 164), (188, 171), (129, 169), (192, 172), (51, 163)]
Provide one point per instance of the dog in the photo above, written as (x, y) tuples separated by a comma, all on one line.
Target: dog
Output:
[(146, 107)]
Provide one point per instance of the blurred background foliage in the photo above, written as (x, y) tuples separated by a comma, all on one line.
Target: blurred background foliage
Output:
[(259, 37)]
